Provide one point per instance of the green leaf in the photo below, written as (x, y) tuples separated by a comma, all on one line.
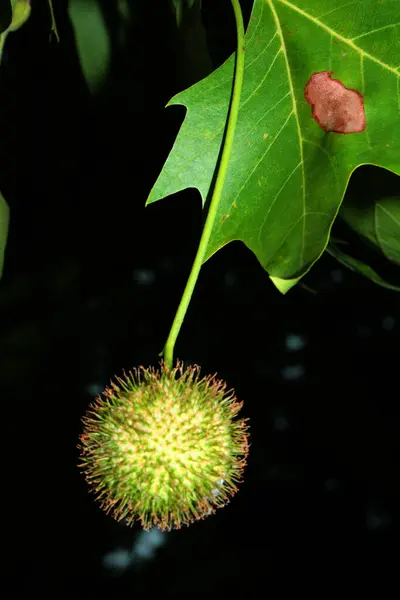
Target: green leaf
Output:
[(360, 216), (387, 216), (4, 219), (21, 9), (287, 175), (92, 41), (357, 265), (5, 15)]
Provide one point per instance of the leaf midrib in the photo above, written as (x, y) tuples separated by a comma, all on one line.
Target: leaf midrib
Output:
[(296, 116)]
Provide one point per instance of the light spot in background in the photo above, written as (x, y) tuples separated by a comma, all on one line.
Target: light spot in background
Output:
[(337, 276), (274, 471), (94, 388), (143, 550), (331, 484), (292, 372), (93, 303), (230, 278), (144, 276), (167, 265), (117, 560), (147, 543), (281, 423), (363, 331), (376, 520), (388, 323), (294, 342)]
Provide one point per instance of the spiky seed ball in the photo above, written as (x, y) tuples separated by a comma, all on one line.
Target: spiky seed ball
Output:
[(163, 447)]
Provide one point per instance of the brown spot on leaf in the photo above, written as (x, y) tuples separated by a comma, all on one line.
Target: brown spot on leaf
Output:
[(265, 136), (335, 107)]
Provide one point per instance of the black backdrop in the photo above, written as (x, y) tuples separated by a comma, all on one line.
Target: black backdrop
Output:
[(91, 283)]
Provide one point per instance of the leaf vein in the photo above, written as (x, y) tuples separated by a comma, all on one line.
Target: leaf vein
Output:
[(327, 154), (253, 33), (389, 214), (249, 133), (345, 40), (374, 31), (262, 80), (325, 14), (275, 199), (262, 157), (262, 52)]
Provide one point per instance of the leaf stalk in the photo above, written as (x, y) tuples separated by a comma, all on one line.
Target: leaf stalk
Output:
[(168, 351)]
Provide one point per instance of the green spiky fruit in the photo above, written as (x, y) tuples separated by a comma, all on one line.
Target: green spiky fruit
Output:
[(163, 447)]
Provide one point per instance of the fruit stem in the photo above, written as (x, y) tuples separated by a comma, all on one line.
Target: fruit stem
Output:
[(168, 351)]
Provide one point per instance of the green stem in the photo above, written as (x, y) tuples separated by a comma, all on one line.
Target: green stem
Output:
[(168, 351), (53, 22), (3, 37)]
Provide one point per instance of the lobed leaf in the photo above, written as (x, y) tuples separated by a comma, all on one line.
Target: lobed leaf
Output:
[(288, 175)]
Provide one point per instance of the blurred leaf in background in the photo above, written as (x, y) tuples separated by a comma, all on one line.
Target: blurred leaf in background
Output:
[(387, 224), (92, 41), (180, 6), (21, 9), (126, 15), (355, 264), (377, 221), (4, 218), (195, 59)]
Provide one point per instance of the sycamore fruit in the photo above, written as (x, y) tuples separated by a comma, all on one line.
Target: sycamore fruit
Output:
[(163, 447)]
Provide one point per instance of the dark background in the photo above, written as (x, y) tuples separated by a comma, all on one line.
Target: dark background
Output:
[(91, 282)]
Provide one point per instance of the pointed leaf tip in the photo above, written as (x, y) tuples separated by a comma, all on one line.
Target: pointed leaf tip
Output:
[(284, 285)]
